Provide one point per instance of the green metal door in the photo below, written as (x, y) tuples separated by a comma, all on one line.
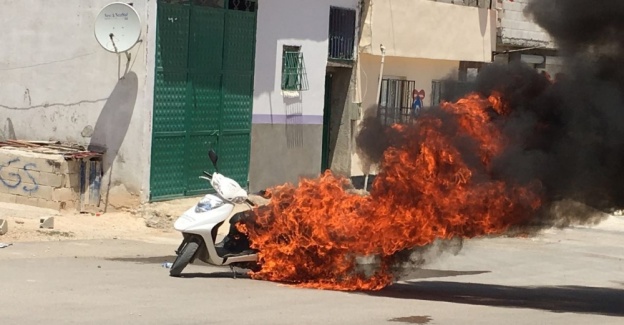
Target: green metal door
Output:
[(203, 94)]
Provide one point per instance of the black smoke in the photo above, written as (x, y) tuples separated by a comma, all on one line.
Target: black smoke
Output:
[(568, 134), (372, 140)]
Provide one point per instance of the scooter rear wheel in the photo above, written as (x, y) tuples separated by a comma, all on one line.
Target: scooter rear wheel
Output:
[(183, 259)]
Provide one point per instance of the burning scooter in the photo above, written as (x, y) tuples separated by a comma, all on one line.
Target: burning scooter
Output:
[(199, 226)]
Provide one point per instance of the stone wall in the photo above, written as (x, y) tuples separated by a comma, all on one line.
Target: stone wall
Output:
[(38, 179), (516, 29)]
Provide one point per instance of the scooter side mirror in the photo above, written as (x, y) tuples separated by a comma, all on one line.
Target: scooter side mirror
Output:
[(213, 157)]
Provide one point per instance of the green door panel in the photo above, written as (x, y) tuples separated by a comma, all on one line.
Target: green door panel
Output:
[(203, 95)]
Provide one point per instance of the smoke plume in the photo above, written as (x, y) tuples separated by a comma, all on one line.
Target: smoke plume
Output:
[(519, 154), (568, 135)]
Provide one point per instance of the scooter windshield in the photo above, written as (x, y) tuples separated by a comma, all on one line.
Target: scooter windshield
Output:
[(207, 203)]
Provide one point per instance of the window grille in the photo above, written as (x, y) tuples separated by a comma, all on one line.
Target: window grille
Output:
[(294, 75), (341, 33), (396, 101)]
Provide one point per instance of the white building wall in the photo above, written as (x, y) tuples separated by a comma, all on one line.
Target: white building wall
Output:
[(302, 23), (287, 130), (429, 29), (58, 84)]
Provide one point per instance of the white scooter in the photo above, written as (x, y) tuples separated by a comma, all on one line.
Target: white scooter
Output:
[(199, 226)]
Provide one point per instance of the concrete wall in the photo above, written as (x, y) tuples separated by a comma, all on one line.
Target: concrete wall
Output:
[(287, 128), (342, 117), (59, 84), (428, 29), (422, 71), (37, 179), (515, 29)]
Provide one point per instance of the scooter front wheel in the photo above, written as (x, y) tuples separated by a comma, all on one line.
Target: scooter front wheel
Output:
[(184, 257)]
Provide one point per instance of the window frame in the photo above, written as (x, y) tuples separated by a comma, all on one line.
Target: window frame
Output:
[(293, 69)]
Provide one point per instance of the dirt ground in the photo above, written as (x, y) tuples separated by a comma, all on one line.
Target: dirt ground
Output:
[(148, 222), (24, 221), (151, 222)]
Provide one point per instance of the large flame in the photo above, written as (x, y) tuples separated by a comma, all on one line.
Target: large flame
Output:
[(437, 184)]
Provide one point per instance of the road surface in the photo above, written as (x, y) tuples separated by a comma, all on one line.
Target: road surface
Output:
[(572, 276)]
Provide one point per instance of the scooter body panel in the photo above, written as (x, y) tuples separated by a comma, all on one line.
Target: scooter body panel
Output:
[(195, 222), (203, 220)]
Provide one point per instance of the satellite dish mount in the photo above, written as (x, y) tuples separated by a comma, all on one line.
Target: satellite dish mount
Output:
[(118, 28)]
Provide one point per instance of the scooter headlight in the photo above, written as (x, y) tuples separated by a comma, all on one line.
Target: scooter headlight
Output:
[(208, 203)]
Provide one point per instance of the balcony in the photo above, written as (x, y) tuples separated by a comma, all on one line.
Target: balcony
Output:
[(341, 34), (468, 3), (396, 101)]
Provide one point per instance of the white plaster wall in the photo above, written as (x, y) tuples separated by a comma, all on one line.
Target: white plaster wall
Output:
[(302, 23), (518, 30), (422, 71), (429, 29), (57, 83)]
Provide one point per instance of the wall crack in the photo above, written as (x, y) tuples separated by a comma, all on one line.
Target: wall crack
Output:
[(47, 105)]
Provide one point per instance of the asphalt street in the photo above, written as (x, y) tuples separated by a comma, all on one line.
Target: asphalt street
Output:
[(571, 276)]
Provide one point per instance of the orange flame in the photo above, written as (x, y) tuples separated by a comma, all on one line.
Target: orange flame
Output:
[(311, 235)]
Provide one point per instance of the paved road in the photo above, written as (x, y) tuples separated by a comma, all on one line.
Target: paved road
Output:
[(573, 276)]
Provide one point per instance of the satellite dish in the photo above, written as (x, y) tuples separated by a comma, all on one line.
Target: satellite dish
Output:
[(117, 27)]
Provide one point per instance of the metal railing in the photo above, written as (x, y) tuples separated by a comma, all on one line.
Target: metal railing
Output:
[(294, 76), (341, 33), (449, 90), (469, 3), (396, 101)]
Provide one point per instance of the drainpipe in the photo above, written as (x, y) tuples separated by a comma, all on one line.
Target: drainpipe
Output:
[(381, 69)]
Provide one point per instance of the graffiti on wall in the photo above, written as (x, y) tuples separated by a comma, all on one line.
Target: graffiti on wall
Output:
[(14, 179)]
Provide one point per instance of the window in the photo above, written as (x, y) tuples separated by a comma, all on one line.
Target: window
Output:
[(396, 100), (293, 69), (450, 90), (341, 33)]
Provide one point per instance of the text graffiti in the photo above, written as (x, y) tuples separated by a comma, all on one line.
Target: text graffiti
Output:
[(13, 179)]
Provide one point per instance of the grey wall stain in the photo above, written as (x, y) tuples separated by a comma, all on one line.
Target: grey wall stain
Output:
[(87, 132)]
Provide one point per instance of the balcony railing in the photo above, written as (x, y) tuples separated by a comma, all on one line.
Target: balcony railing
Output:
[(341, 33), (396, 101), (399, 100), (469, 3), (449, 90)]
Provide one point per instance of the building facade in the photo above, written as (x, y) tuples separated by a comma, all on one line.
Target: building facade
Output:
[(304, 50), (243, 77), (59, 84), (420, 42)]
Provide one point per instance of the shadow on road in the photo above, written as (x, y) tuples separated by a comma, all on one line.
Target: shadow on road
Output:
[(145, 260), (430, 273), (217, 275), (575, 299)]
